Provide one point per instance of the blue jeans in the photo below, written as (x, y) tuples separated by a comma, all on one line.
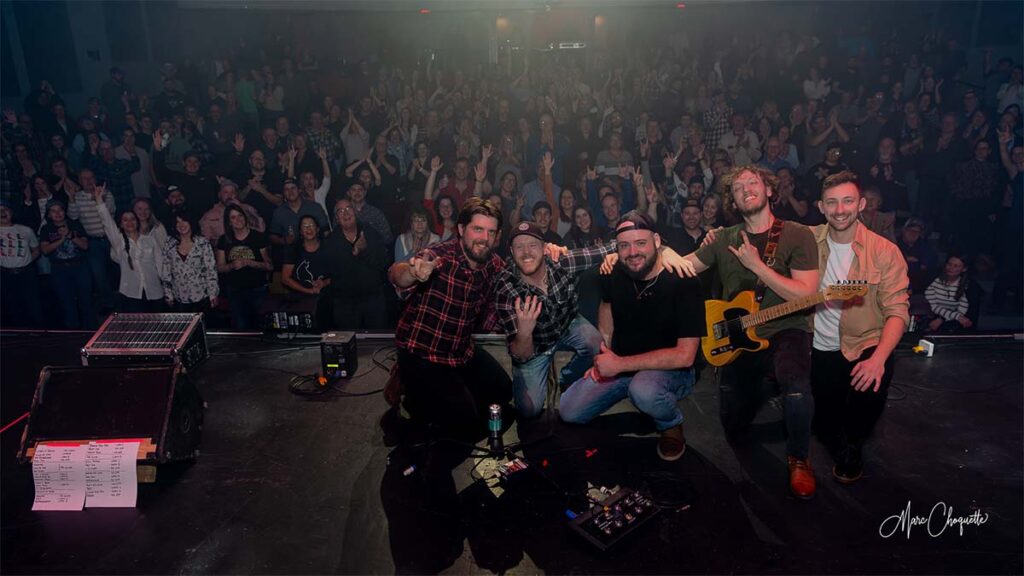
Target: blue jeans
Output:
[(530, 378), (653, 392), (98, 256)]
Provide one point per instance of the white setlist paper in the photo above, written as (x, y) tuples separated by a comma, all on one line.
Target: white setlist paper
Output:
[(95, 475), (59, 474), (110, 479)]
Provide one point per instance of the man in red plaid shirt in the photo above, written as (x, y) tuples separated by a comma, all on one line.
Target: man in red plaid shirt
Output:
[(448, 293)]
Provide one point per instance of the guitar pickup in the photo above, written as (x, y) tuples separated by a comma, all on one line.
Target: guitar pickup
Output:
[(720, 330)]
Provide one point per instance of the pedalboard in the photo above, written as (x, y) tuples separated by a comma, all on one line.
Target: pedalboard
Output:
[(619, 515)]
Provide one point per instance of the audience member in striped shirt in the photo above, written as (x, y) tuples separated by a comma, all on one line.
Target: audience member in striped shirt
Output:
[(82, 207), (948, 297)]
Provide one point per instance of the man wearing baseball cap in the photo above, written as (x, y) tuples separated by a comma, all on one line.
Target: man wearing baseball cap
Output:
[(537, 307), (651, 322), (688, 238)]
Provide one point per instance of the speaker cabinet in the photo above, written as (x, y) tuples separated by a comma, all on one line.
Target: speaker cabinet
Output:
[(156, 404)]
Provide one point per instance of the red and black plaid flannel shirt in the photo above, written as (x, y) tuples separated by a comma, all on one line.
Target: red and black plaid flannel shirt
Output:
[(440, 315)]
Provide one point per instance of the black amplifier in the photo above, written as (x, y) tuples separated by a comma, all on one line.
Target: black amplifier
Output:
[(338, 355), (131, 339), (159, 406)]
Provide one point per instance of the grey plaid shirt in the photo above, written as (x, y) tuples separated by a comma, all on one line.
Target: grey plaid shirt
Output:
[(558, 305)]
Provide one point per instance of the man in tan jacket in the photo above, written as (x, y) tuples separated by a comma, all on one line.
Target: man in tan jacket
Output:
[(851, 360)]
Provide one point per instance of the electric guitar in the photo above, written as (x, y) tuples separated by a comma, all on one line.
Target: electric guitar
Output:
[(730, 325)]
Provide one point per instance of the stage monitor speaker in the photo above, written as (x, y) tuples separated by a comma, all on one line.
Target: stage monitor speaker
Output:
[(133, 339), (157, 404)]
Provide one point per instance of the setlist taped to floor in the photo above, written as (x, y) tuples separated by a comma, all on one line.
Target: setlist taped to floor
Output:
[(59, 474), (110, 478), (95, 475)]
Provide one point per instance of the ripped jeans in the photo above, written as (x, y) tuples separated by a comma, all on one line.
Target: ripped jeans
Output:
[(742, 392)]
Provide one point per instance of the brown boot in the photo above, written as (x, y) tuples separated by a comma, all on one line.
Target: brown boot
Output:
[(672, 444), (801, 478), (393, 389)]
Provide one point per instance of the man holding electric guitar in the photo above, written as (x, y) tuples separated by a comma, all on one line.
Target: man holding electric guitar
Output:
[(763, 263)]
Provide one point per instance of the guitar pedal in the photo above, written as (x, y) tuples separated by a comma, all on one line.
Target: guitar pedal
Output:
[(619, 515)]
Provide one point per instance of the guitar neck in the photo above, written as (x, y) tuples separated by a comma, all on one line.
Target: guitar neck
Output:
[(780, 310)]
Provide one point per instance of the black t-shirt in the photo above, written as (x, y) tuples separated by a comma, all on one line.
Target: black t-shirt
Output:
[(361, 275), (248, 248), (784, 209), (652, 314), (68, 251), (552, 237), (309, 266), (273, 182), (678, 240)]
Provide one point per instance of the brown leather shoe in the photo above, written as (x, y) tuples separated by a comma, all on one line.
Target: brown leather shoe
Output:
[(672, 444), (801, 478)]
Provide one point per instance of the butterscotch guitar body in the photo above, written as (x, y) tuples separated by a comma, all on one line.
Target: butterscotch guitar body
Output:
[(726, 336)]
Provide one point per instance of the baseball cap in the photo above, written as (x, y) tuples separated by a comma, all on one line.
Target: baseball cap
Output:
[(528, 228)]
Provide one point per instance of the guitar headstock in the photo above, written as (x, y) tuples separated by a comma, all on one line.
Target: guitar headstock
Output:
[(846, 289)]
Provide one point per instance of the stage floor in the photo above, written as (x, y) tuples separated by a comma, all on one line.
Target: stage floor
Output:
[(289, 485)]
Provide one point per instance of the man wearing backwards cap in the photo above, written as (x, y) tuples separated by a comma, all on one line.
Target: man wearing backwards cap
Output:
[(651, 322)]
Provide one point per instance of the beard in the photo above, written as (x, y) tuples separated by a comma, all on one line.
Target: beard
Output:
[(528, 269), (644, 270), (754, 209), (482, 257)]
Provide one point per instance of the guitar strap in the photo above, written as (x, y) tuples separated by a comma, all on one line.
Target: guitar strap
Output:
[(774, 233)]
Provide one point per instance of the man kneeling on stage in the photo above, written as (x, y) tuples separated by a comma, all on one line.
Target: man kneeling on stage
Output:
[(448, 292), (536, 306), (651, 322)]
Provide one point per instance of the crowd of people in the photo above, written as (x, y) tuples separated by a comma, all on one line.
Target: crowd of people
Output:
[(447, 201), (289, 176)]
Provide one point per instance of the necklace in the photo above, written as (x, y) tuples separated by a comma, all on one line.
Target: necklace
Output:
[(640, 293)]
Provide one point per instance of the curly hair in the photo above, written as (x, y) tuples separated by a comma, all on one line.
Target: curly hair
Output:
[(767, 177)]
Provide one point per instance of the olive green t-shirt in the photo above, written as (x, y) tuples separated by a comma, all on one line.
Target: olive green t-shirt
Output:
[(797, 250)]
